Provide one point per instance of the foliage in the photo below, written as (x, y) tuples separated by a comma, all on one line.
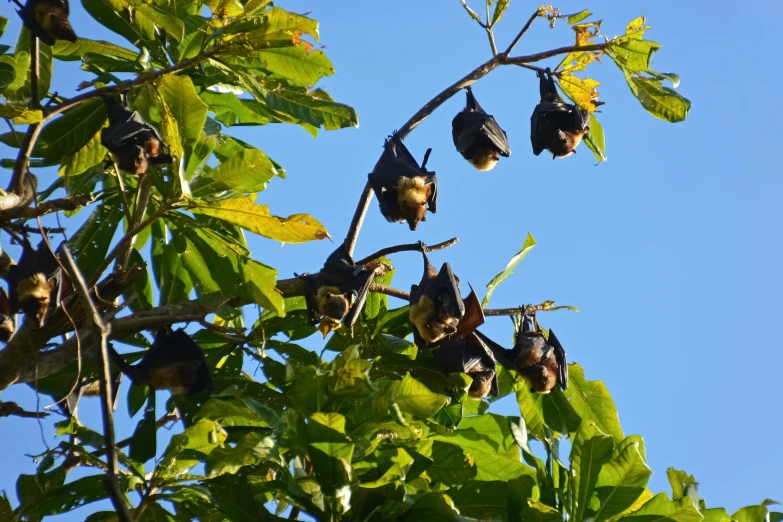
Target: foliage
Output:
[(376, 432)]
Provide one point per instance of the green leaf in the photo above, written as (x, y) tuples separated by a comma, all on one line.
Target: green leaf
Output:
[(433, 507), (74, 51), (237, 500), (84, 159), (330, 450), (231, 110), (175, 282), (189, 112), (718, 515), (67, 497), (279, 20), (202, 437), (593, 403), (415, 398), (114, 15), (143, 446), (315, 108), (250, 448), (591, 450), (7, 73), (20, 62), (578, 17), (751, 514), (24, 92), (297, 228), (500, 8), (247, 171), (595, 138), (482, 500), (3, 25), (70, 132), (450, 465), (621, 482), (295, 63), (679, 481), (91, 242), (633, 55), (661, 102), (528, 245), (661, 508), (19, 114)]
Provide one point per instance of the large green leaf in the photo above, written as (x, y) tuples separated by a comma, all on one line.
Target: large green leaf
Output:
[(7, 73), (660, 507), (482, 500), (751, 514), (415, 398), (450, 464), (70, 132), (44, 67), (528, 245), (315, 108), (591, 450), (91, 242), (236, 499), (295, 63), (115, 16), (20, 63), (67, 497), (297, 228), (247, 171), (83, 159), (186, 107), (231, 110), (592, 402), (250, 448), (621, 482), (176, 282), (331, 452), (187, 448), (662, 102), (73, 51), (594, 139)]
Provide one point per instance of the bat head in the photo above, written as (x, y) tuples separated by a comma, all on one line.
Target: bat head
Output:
[(175, 362), (485, 158), (33, 294), (7, 326), (566, 142), (330, 302), (482, 383), (413, 194), (431, 319), (131, 159)]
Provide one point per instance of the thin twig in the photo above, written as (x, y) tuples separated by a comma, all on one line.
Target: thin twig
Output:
[(537, 57), (383, 289), (101, 333), (24, 229), (143, 194), (521, 33), (35, 71), (123, 195), (118, 248), (541, 70), (358, 218), (405, 248), (528, 309), (11, 408)]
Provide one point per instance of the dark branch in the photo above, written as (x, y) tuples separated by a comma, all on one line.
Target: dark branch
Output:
[(11, 408), (537, 57), (405, 248), (100, 334), (521, 33), (47, 207)]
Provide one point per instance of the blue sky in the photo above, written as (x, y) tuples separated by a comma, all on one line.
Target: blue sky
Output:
[(668, 249)]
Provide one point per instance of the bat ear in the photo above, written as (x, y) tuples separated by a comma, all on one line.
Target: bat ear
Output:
[(161, 335)]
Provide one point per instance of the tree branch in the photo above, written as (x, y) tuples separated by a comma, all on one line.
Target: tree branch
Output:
[(521, 33), (11, 408), (11, 200), (47, 207), (537, 57), (142, 200), (405, 248), (383, 289), (100, 332)]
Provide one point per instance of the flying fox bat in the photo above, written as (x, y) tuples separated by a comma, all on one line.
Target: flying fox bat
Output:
[(47, 20), (438, 311), (472, 356), (477, 135), (33, 281), (133, 143), (556, 125), (337, 293), (405, 191), (542, 361), (173, 362), (7, 326)]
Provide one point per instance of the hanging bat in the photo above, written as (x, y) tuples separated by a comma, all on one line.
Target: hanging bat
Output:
[(477, 135), (438, 311), (556, 125), (7, 326), (33, 281), (173, 362), (405, 191), (542, 361), (133, 143), (337, 293), (472, 356), (47, 20)]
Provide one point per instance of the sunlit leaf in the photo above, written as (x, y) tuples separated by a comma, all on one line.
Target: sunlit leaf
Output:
[(621, 482), (662, 102), (529, 243), (578, 17), (594, 139), (415, 398)]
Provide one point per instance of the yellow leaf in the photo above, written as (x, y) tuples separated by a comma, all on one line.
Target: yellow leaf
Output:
[(582, 91), (243, 212)]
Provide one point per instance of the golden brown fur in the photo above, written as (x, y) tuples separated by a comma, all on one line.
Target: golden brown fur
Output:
[(33, 294), (330, 302), (485, 159), (543, 376), (412, 197), (433, 325)]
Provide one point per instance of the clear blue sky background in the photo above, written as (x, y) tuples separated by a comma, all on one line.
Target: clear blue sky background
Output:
[(669, 250)]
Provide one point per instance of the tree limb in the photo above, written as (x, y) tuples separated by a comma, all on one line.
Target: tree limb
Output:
[(405, 248), (11, 408), (47, 207), (521, 33), (100, 334)]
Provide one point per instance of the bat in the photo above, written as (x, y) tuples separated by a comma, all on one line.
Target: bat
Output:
[(173, 362), (47, 20), (7, 326), (405, 190), (542, 361), (133, 143), (92, 389), (555, 125), (33, 281), (437, 310), (472, 356), (337, 293), (477, 135)]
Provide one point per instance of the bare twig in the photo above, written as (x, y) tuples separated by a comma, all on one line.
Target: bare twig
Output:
[(24, 229), (35, 70), (47, 207), (17, 184), (546, 306), (405, 248), (358, 218), (537, 57), (11, 408), (521, 33), (101, 332), (383, 289)]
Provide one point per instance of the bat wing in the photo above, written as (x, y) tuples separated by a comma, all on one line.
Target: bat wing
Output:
[(478, 125), (474, 315), (560, 357), (364, 280), (497, 136), (404, 156), (453, 357), (504, 356), (432, 202), (134, 130), (536, 133), (339, 267), (487, 359), (446, 288), (383, 181)]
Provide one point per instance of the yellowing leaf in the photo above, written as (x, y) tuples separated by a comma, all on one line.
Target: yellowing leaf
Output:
[(243, 212), (582, 91)]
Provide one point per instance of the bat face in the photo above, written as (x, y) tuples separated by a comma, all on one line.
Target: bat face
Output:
[(34, 296), (133, 144), (176, 363), (433, 319), (412, 197), (405, 190), (543, 363), (337, 293), (32, 283), (556, 126), (477, 136), (48, 20), (471, 356)]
